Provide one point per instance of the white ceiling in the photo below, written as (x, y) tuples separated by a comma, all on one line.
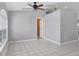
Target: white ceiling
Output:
[(20, 5)]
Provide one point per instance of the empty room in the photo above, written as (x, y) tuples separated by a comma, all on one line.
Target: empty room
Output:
[(39, 28)]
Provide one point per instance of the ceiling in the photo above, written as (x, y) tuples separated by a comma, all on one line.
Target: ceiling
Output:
[(11, 6), (21, 5)]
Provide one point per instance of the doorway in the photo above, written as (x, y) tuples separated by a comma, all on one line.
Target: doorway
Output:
[(40, 27)]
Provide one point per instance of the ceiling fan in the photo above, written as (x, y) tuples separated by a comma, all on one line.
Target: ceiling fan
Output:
[(37, 7)]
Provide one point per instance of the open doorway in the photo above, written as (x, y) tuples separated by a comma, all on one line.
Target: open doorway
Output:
[(40, 27)]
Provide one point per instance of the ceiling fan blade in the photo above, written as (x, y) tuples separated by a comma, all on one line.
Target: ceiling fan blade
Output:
[(30, 5), (40, 8), (40, 5)]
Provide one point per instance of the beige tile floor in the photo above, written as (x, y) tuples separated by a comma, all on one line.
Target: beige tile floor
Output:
[(42, 47)]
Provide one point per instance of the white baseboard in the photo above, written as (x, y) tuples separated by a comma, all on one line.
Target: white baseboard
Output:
[(21, 41), (52, 41), (69, 42), (59, 43)]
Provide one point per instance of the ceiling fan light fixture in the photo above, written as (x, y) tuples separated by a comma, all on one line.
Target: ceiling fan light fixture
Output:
[(35, 2)]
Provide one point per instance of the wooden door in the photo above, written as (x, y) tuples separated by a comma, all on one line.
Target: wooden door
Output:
[(38, 27)]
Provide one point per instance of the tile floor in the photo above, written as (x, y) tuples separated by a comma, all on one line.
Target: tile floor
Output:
[(42, 47)]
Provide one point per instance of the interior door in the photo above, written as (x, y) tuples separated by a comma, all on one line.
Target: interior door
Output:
[(38, 27)]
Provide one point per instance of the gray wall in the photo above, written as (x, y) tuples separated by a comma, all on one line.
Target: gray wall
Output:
[(22, 25), (68, 25), (61, 26), (53, 26), (78, 15)]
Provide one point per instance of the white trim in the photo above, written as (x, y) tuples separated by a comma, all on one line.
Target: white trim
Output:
[(69, 42), (21, 41), (52, 41), (63, 43), (3, 44), (5, 49)]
